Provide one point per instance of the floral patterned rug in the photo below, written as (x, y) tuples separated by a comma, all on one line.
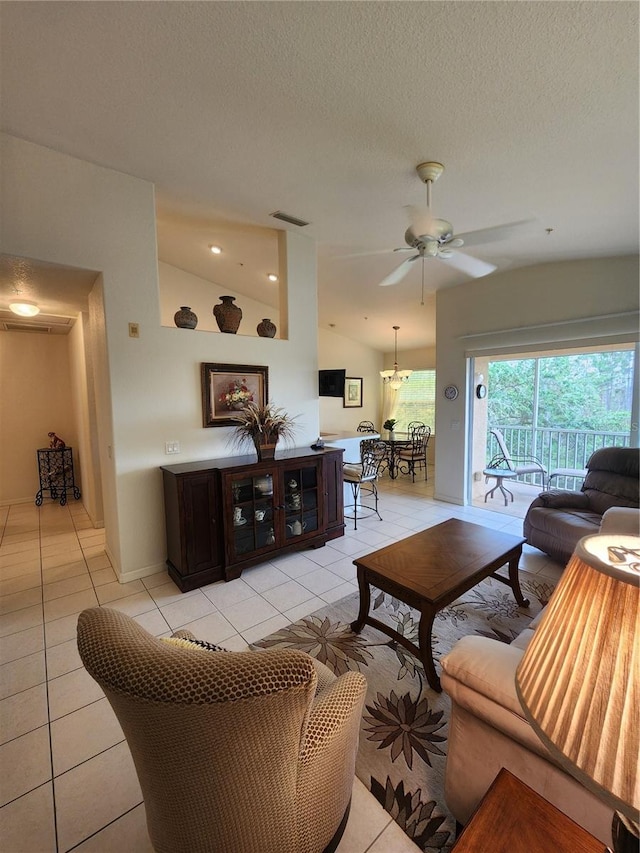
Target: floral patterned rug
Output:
[(403, 738)]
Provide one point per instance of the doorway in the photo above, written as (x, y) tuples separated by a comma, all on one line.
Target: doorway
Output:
[(556, 407)]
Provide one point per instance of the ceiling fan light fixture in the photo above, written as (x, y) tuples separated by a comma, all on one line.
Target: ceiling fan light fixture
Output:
[(24, 307), (395, 378)]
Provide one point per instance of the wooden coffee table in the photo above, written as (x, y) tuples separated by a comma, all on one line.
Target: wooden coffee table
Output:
[(430, 570)]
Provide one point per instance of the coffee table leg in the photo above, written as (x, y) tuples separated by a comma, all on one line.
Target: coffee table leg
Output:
[(365, 600), (425, 629), (514, 578)]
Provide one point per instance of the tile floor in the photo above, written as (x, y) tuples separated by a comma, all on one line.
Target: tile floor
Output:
[(67, 780)]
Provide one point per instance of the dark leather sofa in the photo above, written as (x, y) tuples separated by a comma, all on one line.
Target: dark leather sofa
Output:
[(556, 519)]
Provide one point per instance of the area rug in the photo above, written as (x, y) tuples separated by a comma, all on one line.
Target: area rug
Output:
[(403, 737)]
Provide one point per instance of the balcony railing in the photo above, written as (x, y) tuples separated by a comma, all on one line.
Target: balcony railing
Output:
[(555, 448)]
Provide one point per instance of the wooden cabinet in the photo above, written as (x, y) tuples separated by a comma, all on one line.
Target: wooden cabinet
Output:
[(224, 515)]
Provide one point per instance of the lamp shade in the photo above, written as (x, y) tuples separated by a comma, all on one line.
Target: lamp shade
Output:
[(579, 679)]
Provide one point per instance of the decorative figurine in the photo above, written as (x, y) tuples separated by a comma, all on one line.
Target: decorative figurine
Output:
[(56, 442)]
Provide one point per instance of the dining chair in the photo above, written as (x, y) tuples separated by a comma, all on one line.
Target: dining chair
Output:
[(362, 477), (415, 455), (413, 425), (366, 426)]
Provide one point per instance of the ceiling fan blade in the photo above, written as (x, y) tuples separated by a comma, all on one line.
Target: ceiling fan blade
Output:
[(398, 273), (469, 265), (498, 232)]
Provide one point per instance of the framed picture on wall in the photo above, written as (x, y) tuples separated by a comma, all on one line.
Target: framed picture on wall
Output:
[(227, 388), (352, 393)]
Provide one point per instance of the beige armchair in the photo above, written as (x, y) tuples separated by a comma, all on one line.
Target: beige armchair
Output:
[(235, 751)]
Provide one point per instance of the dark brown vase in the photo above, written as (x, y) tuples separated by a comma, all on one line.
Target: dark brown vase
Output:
[(265, 447), (227, 315), (185, 318), (266, 329)]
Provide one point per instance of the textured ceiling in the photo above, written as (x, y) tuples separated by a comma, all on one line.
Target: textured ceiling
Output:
[(323, 110)]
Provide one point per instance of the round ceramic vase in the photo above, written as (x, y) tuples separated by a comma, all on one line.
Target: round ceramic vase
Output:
[(185, 318)]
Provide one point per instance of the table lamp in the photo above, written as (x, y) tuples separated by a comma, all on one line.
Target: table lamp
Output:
[(579, 679)]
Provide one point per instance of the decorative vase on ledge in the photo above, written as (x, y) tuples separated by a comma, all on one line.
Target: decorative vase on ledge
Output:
[(185, 318), (266, 329), (227, 315)]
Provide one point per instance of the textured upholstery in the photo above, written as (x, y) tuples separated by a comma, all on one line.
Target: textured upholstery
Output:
[(556, 520), (235, 751), (488, 730)]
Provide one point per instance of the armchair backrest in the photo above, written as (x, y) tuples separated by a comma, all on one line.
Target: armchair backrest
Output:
[(215, 736), (613, 478)]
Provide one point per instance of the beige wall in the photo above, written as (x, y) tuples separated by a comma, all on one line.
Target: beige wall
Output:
[(60, 209), (336, 352), (565, 304), (36, 398)]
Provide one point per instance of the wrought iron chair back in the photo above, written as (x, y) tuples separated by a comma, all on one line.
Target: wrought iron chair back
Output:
[(415, 456), (366, 426)]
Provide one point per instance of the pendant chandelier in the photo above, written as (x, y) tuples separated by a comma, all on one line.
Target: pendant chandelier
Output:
[(394, 378)]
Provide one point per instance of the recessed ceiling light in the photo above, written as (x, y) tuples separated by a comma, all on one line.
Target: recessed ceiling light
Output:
[(24, 307), (272, 276), (216, 250)]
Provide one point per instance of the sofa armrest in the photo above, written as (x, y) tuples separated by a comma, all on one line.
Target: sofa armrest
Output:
[(624, 520), (479, 674), (558, 499)]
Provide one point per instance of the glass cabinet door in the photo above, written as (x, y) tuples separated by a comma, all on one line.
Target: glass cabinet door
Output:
[(253, 517), (301, 501)]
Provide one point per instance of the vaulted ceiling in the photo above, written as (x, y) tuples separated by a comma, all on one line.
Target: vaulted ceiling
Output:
[(323, 110)]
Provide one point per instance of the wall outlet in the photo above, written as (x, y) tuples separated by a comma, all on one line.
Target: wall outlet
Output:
[(477, 476), (134, 330), (172, 447)]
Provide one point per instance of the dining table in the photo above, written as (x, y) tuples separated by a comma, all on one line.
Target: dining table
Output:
[(395, 442)]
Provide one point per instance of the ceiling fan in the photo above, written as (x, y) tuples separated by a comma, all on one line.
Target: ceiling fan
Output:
[(430, 237)]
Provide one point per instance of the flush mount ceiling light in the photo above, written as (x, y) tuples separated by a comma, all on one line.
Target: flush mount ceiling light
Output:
[(215, 250), (24, 307), (394, 378), (272, 276)]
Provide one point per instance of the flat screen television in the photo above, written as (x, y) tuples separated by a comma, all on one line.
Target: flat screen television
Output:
[(331, 383)]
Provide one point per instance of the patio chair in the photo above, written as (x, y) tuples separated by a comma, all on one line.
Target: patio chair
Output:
[(363, 476), (366, 426), (519, 464), (415, 456)]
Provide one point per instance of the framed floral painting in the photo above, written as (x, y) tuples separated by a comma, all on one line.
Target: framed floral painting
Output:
[(352, 393), (227, 388)]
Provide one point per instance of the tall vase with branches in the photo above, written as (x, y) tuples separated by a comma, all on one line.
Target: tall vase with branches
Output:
[(263, 425)]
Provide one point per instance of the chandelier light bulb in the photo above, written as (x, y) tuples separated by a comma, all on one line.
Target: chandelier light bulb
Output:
[(215, 250), (272, 276)]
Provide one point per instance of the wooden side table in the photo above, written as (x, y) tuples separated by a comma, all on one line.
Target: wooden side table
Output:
[(512, 818)]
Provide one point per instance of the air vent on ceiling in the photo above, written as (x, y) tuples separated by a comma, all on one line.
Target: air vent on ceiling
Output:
[(48, 324), (24, 327), (286, 217)]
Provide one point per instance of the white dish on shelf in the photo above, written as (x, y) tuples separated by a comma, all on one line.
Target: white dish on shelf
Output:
[(240, 523)]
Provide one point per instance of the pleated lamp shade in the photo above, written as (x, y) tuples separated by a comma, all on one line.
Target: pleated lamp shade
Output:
[(579, 679)]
